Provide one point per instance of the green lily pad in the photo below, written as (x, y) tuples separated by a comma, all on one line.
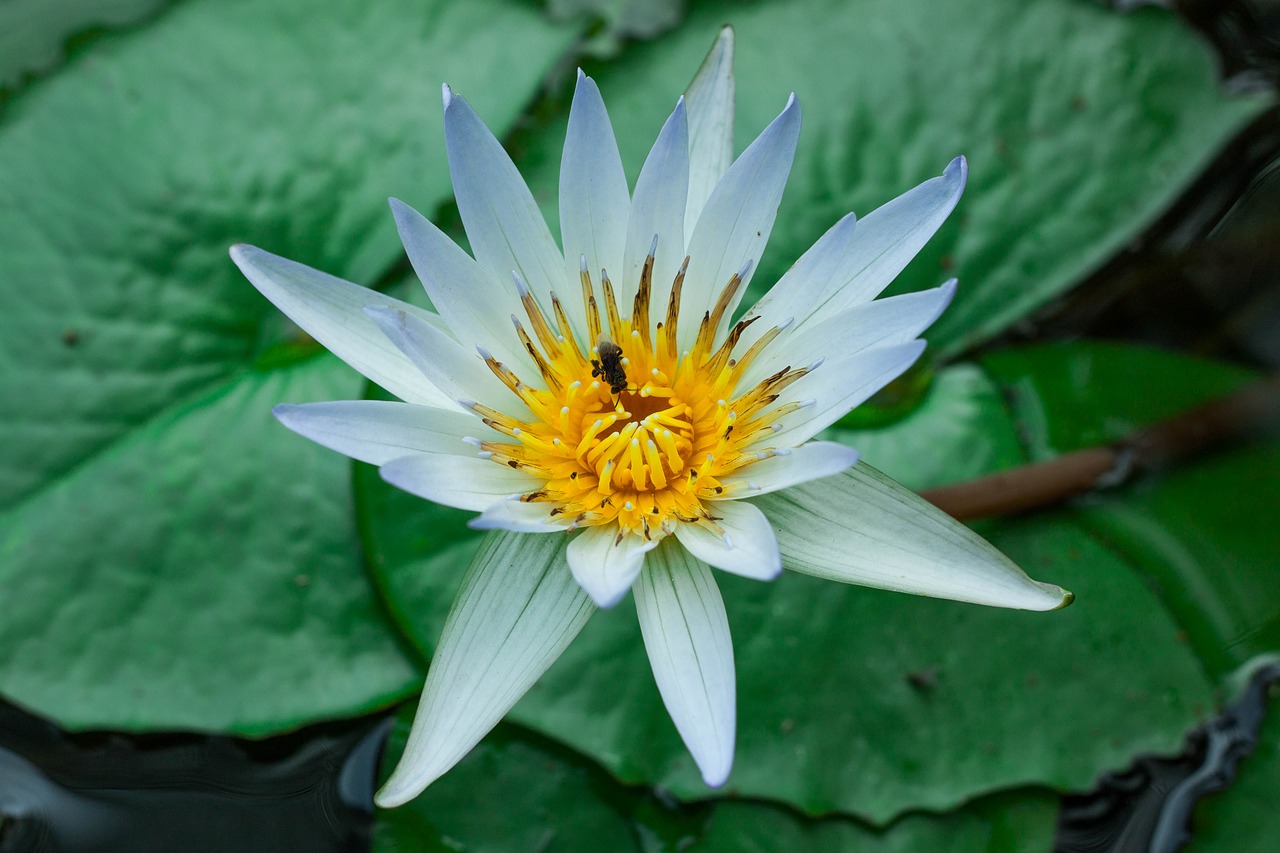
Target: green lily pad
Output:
[(1202, 533), (172, 557), (155, 592), (423, 562), (870, 703), (1206, 538), (1025, 821), (1081, 125), (864, 702), (1065, 397), (1242, 818), (519, 791), (514, 791), (620, 19), (34, 33), (958, 430)]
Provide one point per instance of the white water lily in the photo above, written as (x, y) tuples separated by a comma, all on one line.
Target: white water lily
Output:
[(601, 410)]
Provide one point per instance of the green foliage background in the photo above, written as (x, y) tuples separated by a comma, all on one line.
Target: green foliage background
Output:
[(170, 557)]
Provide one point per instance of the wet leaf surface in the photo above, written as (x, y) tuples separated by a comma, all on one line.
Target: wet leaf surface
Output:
[(35, 34), (181, 560), (554, 800), (1200, 534)]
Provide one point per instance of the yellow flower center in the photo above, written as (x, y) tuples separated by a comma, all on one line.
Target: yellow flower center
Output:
[(631, 431)]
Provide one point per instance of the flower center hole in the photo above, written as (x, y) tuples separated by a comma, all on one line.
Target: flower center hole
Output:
[(638, 408)]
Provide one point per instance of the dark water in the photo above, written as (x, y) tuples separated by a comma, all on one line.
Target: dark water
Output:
[(1148, 807), (1202, 279), (108, 793)]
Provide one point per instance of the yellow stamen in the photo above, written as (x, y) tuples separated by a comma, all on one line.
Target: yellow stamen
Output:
[(654, 454)]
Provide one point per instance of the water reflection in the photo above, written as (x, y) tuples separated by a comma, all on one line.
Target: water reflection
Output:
[(95, 793)]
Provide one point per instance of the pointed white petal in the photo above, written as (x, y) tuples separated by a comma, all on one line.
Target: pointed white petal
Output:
[(840, 385), (332, 311), (735, 224), (851, 265), (862, 527), (505, 227), (465, 482), (794, 296), (376, 431), (709, 99), (594, 202), (686, 635), (888, 237), (458, 373), (810, 461), (748, 546), (517, 610), (476, 307), (519, 516), (604, 567), (658, 208), (895, 320)]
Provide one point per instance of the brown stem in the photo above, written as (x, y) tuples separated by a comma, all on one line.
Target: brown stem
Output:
[(1232, 417)]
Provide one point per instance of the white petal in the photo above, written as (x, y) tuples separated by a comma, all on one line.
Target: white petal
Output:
[(594, 202), (851, 265), (709, 99), (748, 547), (476, 307), (332, 311), (658, 208), (810, 461), (458, 373), (686, 635), (735, 224), (838, 386), (895, 320), (862, 527), (517, 610), (519, 516), (505, 227), (888, 237), (465, 482), (794, 296), (604, 567), (376, 431)]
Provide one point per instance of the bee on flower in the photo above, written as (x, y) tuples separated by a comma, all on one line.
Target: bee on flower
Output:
[(618, 426)]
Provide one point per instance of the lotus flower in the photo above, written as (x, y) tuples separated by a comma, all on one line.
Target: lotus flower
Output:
[(602, 408)]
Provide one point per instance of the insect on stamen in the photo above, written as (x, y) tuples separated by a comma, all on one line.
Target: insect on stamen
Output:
[(609, 366)]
